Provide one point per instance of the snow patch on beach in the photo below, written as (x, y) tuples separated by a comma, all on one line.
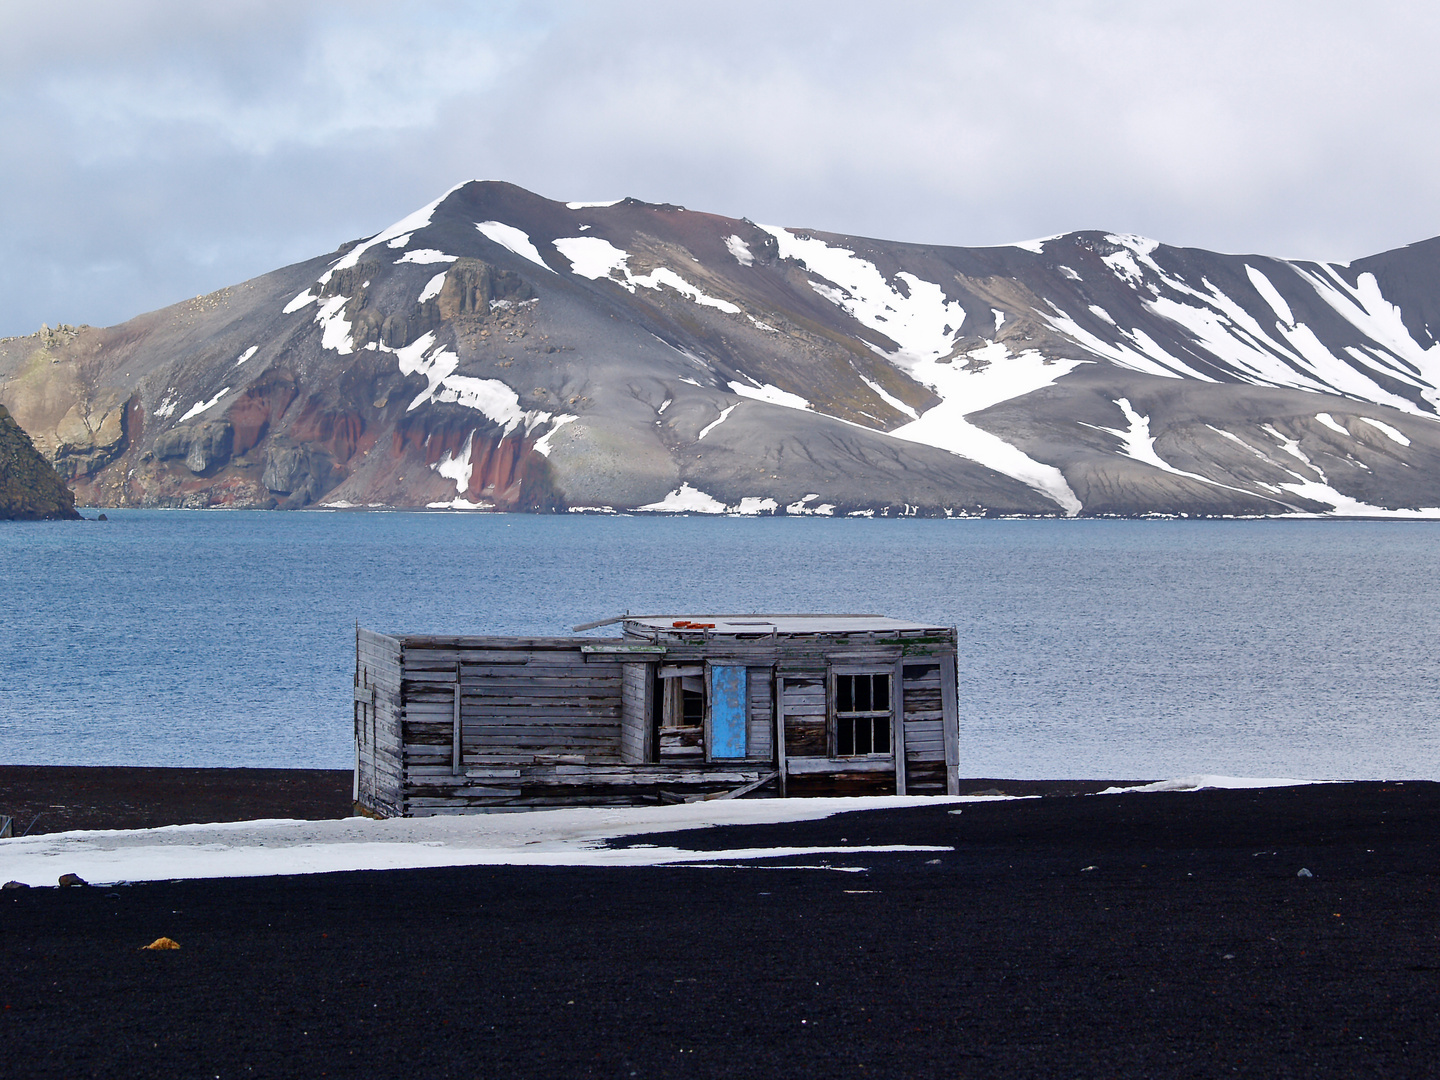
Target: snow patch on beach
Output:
[(1208, 783), (574, 836), (686, 500), (803, 507), (753, 505)]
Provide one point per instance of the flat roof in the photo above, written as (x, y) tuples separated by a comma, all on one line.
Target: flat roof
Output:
[(776, 624)]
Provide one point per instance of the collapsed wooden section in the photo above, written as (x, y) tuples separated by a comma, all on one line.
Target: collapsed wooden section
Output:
[(674, 710)]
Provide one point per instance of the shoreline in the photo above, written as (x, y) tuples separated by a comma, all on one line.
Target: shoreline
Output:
[(64, 798)]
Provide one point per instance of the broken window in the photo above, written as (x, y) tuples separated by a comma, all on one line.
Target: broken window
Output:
[(692, 701), (862, 715), (681, 715)]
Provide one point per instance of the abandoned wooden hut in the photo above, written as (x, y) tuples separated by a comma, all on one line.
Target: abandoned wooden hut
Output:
[(675, 709)]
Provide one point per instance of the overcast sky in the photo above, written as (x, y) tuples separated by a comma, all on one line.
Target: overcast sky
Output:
[(157, 149)]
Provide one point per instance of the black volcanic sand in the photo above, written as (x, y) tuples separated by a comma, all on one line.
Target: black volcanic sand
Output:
[(1128, 935), (57, 798)]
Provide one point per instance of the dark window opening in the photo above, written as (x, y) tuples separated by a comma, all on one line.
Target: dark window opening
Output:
[(692, 707), (862, 715), (680, 716)]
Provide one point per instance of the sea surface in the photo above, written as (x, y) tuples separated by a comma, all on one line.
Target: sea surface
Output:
[(1088, 649)]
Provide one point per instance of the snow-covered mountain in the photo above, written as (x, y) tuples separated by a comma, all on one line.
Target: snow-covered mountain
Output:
[(496, 349)]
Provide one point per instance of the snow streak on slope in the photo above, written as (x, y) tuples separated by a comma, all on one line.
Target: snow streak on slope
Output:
[(1321, 491), (203, 406), (771, 394), (740, 250), (919, 318), (595, 258), (402, 228), (1256, 337), (1138, 444), (491, 398), (924, 323), (998, 377), (1365, 308), (513, 239)]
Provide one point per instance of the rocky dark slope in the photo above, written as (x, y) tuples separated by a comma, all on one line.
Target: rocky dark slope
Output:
[(30, 489), (501, 350)]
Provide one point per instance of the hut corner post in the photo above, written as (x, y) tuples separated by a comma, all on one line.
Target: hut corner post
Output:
[(379, 766), (355, 715), (949, 700)]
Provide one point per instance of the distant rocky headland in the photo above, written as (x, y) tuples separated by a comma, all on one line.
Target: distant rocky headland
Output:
[(500, 350), (30, 489)]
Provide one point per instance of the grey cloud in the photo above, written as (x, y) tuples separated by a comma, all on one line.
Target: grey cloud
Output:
[(159, 149)]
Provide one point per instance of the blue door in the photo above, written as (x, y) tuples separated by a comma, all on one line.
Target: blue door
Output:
[(727, 712)]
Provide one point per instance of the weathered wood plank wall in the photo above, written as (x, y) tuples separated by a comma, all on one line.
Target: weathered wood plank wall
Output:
[(378, 773), (558, 721), (924, 730), (637, 713), (760, 714)]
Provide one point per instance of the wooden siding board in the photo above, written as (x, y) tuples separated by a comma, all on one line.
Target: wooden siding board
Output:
[(949, 689), (379, 761), (801, 766), (761, 714), (897, 724), (635, 713)]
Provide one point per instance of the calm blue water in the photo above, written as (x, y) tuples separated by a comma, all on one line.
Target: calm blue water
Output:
[(1120, 649)]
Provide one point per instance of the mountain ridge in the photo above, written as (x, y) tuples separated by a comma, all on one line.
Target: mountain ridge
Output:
[(500, 350)]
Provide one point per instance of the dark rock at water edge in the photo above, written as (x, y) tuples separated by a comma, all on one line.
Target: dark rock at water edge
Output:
[(30, 488)]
